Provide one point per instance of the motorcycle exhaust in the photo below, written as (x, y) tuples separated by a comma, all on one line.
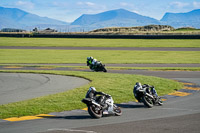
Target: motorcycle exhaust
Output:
[(149, 95), (95, 103)]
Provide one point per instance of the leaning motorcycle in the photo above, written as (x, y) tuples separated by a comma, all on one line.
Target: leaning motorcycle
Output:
[(144, 95), (95, 109), (99, 67)]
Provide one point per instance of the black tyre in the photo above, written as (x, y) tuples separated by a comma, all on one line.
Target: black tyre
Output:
[(147, 101), (160, 102), (104, 69), (95, 112), (117, 110)]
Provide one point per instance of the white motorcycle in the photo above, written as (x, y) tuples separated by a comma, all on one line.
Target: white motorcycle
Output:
[(96, 111)]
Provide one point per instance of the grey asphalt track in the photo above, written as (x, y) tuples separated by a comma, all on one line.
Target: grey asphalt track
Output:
[(178, 124), (163, 74), (108, 65), (16, 87)]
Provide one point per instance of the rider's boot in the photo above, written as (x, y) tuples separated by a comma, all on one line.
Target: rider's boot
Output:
[(157, 98)]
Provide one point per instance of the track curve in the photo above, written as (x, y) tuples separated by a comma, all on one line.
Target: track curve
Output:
[(20, 86)]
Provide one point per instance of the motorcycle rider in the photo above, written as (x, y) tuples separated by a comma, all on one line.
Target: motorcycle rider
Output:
[(92, 93), (92, 62), (138, 86)]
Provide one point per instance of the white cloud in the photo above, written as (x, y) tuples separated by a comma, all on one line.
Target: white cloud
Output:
[(90, 3), (178, 4), (25, 4), (59, 4), (123, 4), (86, 3), (196, 4)]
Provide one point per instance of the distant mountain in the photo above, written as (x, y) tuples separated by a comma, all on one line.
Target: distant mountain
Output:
[(16, 18), (189, 19), (114, 18)]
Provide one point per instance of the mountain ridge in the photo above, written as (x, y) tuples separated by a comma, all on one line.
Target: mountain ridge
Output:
[(118, 15), (20, 19), (17, 18), (187, 19)]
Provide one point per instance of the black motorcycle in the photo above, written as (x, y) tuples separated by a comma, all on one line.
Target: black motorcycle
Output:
[(98, 67), (143, 94), (96, 111)]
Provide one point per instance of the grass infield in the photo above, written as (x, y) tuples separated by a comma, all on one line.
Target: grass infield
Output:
[(80, 42), (79, 56)]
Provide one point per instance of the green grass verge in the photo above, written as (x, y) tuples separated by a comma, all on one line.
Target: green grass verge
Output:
[(79, 56), (118, 85), (76, 42)]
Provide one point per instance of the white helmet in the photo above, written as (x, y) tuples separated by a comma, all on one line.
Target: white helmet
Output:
[(90, 58), (92, 89), (138, 84)]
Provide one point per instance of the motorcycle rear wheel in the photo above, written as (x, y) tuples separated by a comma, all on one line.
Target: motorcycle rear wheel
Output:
[(94, 112)]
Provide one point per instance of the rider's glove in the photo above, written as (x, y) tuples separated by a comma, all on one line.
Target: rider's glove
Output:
[(108, 95)]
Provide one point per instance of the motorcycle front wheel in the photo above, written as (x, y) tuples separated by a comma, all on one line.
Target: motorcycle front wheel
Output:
[(147, 101), (95, 112), (104, 70), (117, 110), (160, 102)]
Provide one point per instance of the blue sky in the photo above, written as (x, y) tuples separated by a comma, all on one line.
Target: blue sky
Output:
[(69, 10)]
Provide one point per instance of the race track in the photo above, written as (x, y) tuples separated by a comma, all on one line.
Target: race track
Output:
[(16, 87), (178, 114)]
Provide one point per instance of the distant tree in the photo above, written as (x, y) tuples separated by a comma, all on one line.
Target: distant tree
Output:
[(35, 29)]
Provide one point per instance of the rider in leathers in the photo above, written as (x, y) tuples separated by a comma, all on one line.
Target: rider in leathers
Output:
[(92, 93), (138, 85), (92, 62)]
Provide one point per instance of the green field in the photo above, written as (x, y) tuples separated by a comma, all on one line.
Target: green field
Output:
[(79, 56), (75, 42)]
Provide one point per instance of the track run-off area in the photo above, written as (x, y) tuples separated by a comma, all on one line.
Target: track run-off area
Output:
[(180, 112)]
